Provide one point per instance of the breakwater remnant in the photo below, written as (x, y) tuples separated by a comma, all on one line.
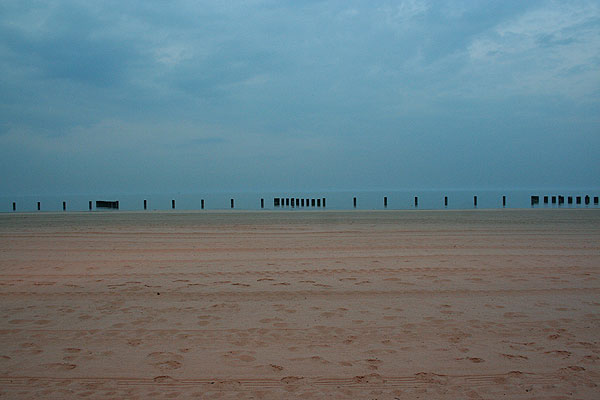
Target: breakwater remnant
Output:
[(296, 202), (560, 200), (113, 205)]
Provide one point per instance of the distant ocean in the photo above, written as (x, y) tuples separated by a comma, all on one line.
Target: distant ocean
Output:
[(335, 200)]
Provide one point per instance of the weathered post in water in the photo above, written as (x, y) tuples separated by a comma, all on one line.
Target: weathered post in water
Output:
[(14, 206), (561, 200), (503, 201), (587, 200), (202, 204), (535, 200), (145, 204), (474, 201), (262, 203), (232, 203), (173, 204), (64, 206), (90, 205), (578, 199), (595, 200), (385, 202), (545, 199), (323, 202), (445, 201), (354, 202), (570, 199), (416, 201), (39, 206)]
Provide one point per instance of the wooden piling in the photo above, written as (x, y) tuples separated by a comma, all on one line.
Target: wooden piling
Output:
[(302, 202), (503, 201), (173, 204), (578, 199), (385, 202), (14, 206), (232, 203), (202, 204), (416, 201), (570, 199), (323, 202), (262, 203), (297, 202), (587, 200), (39, 205), (445, 201), (553, 199), (64, 206), (145, 204), (545, 199), (318, 202), (474, 201), (312, 202), (354, 201), (90, 205), (276, 202), (535, 200), (561, 200), (595, 200)]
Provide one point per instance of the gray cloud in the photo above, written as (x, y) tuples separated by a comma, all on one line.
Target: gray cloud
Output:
[(240, 94)]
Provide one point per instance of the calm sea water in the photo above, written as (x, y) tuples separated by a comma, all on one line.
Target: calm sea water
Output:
[(338, 200)]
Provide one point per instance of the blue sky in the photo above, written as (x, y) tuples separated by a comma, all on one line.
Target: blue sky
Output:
[(154, 96)]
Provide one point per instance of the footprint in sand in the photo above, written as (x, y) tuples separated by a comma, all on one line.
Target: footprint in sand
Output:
[(71, 350), (165, 361), (60, 366)]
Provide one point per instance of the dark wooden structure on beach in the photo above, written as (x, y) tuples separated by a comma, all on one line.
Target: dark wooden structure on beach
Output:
[(107, 204)]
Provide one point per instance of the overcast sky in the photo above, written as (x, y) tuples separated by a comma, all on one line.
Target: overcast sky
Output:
[(187, 96)]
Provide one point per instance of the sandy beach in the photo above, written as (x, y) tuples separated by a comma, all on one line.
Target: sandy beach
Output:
[(364, 305)]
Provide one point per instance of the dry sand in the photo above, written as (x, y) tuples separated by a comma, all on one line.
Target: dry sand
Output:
[(363, 305)]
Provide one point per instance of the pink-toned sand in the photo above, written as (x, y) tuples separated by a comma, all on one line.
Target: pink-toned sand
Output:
[(362, 305)]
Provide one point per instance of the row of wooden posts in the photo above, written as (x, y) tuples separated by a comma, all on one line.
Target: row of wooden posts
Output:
[(293, 202), (535, 200)]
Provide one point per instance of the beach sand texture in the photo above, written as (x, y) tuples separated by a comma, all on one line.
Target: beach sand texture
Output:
[(362, 305)]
